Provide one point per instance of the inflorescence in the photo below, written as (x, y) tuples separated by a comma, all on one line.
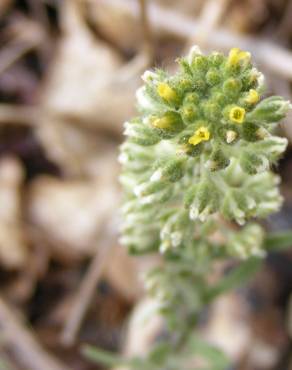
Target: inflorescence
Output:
[(201, 149)]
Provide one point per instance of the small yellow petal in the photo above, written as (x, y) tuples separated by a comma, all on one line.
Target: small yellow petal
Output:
[(237, 114), (166, 92), (233, 56), (195, 140), (236, 55), (201, 134), (244, 55), (252, 97)]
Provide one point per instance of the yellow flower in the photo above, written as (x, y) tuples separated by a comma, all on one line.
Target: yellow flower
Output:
[(163, 122), (201, 134), (166, 92), (236, 56), (252, 97), (237, 114)]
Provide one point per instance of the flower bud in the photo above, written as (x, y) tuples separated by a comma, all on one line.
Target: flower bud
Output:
[(272, 147), (149, 76), (253, 163), (270, 110), (173, 230), (148, 188), (213, 77), (140, 133), (189, 113), (262, 133), (220, 99), (194, 52), (218, 160), (167, 93), (145, 101), (192, 98), (212, 111), (228, 133), (138, 241), (250, 131), (232, 87), (202, 200), (171, 170), (237, 57), (191, 150), (237, 206), (252, 97), (247, 243), (199, 64), (216, 59), (153, 192), (170, 123), (263, 187)]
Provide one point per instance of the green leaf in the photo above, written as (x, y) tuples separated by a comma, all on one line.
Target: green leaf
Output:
[(160, 353), (101, 356), (215, 357), (237, 277)]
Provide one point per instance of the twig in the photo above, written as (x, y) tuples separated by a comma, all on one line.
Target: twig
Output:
[(13, 53), (274, 57), (148, 42), (39, 11), (88, 285), (25, 35), (22, 344), (40, 15), (210, 18)]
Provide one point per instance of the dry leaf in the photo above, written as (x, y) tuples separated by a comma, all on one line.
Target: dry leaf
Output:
[(13, 245), (69, 214), (88, 79)]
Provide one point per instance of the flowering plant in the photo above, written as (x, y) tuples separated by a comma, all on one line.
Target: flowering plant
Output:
[(197, 175)]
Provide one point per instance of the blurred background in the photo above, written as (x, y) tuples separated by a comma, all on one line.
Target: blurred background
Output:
[(68, 74)]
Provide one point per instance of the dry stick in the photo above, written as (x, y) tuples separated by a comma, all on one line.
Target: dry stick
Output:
[(274, 57), (22, 344), (148, 42), (40, 14), (88, 285), (13, 53), (210, 18)]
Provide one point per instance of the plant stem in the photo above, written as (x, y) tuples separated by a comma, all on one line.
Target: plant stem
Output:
[(103, 357)]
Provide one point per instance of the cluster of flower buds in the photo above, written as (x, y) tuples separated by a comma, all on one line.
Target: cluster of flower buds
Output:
[(203, 144)]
